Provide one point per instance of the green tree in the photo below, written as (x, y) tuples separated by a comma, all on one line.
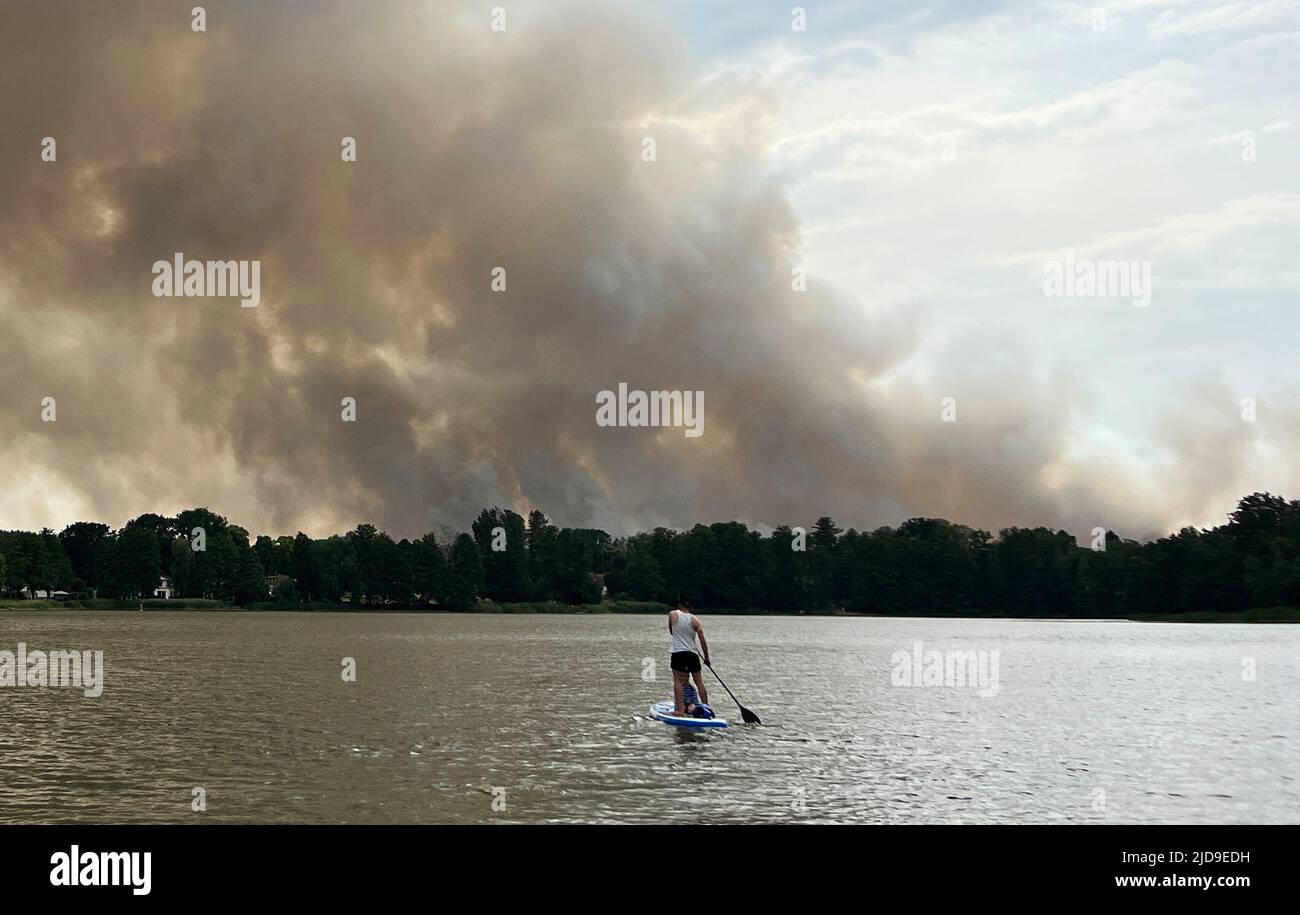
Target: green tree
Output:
[(210, 566), (1034, 571), (275, 555), (82, 543), (247, 578), (395, 574), (429, 574), (823, 562), (640, 577), (134, 564), (785, 576), (542, 537), (506, 570), (572, 581), (465, 577)]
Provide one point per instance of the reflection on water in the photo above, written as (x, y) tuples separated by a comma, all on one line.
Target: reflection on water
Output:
[(1091, 722)]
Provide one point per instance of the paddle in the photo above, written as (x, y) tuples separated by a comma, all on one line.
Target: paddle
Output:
[(745, 714)]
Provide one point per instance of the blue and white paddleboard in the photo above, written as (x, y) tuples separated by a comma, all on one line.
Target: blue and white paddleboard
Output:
[(663, 711)]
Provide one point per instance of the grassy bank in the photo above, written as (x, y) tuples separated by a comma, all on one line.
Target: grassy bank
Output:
[(615, 606), (1257, 615), (106, 604), (609, 606)]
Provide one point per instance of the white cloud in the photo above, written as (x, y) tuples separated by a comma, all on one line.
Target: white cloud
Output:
[(1224, 17)]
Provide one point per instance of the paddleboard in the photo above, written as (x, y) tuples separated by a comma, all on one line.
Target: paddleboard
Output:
[(663, 711)]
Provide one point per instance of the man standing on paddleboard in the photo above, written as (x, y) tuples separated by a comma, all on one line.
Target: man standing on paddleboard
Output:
[(684, 628)]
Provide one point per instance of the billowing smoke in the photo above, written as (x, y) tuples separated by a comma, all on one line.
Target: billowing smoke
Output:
[(475, 149)]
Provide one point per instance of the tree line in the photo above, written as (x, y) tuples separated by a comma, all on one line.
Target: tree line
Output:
[(925, 565)]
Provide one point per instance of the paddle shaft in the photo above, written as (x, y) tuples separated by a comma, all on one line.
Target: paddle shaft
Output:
[(746, 715), (723, 682)]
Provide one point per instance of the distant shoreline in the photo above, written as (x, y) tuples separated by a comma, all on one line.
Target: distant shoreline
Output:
[(1257, 615)]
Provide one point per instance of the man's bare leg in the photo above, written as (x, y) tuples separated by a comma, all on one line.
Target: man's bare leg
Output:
[(700, 687)]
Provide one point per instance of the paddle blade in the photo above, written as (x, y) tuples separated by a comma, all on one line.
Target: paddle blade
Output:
[(749, 717)]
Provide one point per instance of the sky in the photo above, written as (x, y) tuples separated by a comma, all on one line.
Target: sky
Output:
[(922, 167)]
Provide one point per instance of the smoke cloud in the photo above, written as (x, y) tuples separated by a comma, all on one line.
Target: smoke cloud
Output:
[(476, 149)]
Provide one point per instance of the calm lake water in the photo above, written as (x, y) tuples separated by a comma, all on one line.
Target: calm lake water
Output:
[(1086, 722)]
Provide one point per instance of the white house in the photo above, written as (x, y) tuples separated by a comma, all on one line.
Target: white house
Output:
[(165, 590)]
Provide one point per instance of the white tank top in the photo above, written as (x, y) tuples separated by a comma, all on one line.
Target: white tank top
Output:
[(684, 633)]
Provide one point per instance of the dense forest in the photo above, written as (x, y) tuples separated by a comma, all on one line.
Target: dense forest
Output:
[(925, 565)]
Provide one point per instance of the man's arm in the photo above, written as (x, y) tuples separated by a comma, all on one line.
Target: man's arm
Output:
[(704, 643), (671, 619)]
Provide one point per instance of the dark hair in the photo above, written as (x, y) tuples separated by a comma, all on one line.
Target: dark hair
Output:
[(685, 603)]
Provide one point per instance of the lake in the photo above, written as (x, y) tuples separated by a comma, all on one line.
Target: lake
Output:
[(543, 719)]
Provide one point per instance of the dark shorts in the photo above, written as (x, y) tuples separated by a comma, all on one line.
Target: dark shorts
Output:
[(686, 661)]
